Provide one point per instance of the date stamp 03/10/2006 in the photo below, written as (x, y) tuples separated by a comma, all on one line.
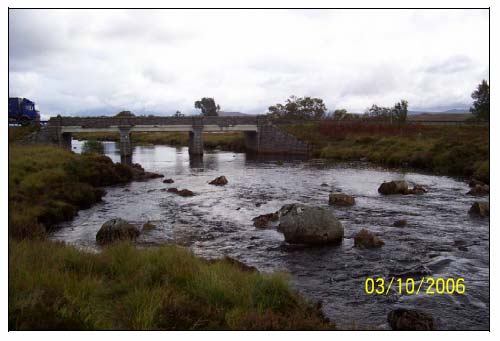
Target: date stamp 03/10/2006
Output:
[(411, 286)]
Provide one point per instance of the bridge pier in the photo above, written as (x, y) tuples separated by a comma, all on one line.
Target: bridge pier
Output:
[(196, 140), (125, 145)]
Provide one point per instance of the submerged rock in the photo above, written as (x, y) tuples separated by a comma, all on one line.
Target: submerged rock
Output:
[(168, 181), (341, 199), (303, 224), (393, 187), (219, 181), (400, 223), (116, 230), (365, 239), (417, 189), (410, 319), (263, 220), (481, 209), (479, 190), (148, 226)]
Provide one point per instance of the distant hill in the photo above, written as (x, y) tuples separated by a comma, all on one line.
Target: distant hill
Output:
[(439, 117)]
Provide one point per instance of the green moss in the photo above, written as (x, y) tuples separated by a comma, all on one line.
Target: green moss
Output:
[(53, 286)]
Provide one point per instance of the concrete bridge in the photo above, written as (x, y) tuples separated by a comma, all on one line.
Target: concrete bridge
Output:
[(261, 136)]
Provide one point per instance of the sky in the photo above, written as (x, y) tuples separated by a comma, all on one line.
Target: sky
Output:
[(99, 62)]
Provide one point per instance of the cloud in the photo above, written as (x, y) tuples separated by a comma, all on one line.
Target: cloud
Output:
[(160, 61)]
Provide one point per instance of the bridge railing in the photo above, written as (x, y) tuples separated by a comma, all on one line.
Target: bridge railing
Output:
[(104, 122)]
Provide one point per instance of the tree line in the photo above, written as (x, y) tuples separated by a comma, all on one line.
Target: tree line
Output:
[(312, 108)]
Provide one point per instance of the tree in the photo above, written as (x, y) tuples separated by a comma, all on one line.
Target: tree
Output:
[(481, 106), (178, 114), (339, 114), (207, 106), (299, 108), (400, 111)]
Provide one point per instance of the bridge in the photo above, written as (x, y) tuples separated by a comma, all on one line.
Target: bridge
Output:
[(261, 136)]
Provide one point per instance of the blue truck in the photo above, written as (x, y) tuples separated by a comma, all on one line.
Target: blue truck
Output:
[(23, 111)]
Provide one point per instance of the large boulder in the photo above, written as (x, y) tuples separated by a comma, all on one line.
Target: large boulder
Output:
[(341, 199), (393, 187), (479, 190), (263, 220), (219, 181), (303, 224), (364, 239), (116, 230), (410, 319), (481, 209)]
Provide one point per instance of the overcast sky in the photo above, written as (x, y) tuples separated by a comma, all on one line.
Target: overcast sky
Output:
[(160, 61)]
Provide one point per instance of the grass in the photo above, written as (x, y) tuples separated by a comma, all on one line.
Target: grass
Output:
[(47, 185), (53, 286), (233, 141), (449, 150)]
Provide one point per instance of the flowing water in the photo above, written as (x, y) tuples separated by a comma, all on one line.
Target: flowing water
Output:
[(441, 239)]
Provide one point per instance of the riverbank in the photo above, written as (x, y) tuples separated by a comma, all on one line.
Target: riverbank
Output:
[(442, 150), (56, 286)]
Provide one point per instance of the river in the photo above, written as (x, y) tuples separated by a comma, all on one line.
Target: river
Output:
[(441, 239)]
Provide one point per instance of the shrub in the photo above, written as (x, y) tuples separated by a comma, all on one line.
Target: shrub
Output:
[(93, 146)]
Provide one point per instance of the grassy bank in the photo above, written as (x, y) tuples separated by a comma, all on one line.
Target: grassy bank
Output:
[(48, 185), (448, 150), (224, 141), (52, 286), (55, 286)]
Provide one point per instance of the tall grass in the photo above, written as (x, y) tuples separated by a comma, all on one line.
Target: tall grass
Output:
[(52, 286), (48, 185), (450, 150)]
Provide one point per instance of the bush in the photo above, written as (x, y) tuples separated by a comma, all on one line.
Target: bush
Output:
[(93, 146)]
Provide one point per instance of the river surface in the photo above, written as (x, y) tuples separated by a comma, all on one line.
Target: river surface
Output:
[(441, 239)]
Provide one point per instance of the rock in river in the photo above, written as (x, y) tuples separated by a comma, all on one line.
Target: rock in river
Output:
[(364, 239), (481, 209), (303, 224), (393, 187), (341, 199), (116, 230), (400, 187), (400, 223), (183, 192), (479, 190), (410, 319), (139, 174), (219, 181), (168, 181), (263, 220)]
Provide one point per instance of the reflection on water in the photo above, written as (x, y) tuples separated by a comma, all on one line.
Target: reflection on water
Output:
[(441, 240)]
